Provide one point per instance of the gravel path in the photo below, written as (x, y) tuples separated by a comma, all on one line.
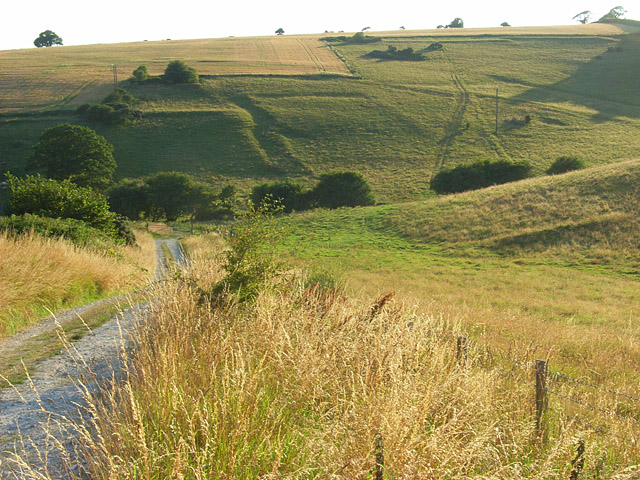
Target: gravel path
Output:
[(34, 416)]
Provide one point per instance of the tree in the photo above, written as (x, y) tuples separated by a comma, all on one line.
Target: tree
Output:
[(129, 198), (480, 174), (76, 153), (614, 14), (505, 24), (342, 189), (456, 23), (179, 72), (583, 17), (280, 31), (47, 39), (170, 195)]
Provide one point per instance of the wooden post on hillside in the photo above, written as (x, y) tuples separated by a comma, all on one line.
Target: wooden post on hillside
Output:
[(379, 470), (541, 395), (461, 350), (497, 99)]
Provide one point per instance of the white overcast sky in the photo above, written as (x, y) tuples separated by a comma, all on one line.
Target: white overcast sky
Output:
[(81, 22)]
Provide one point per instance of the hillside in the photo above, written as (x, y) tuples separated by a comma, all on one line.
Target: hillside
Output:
[(550, 262), (274, 107)]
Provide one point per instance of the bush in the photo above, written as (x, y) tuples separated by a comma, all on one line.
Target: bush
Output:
[(141, 74), (480, 174), (120, 96), (342, 189), (249, 263), (564, 164), (73, 230), (392, 53), (60, 199), (178, 72), (115, 109), (287, 192)]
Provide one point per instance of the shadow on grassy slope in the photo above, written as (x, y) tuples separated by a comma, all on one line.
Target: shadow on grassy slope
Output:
[(607, 83)]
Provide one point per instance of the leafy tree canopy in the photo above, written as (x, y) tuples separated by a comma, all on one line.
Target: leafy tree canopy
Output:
[(179, 72), (76, 153), (280, 31), (47, 39), (614, 13), (456, 23), (583, 17)]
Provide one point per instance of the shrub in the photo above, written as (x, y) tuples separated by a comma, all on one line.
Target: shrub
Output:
[(480, 174), (392, 53), (60, 199), (179, 72), (287, 192), (73, 230), (249, 263), (563, 164), (342, 189), (120, 96), (141, 74)]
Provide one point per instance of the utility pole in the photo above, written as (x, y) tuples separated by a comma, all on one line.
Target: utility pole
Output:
[(115, 75), (497, 99)]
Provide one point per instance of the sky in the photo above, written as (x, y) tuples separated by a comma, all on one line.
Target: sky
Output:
[(82, 22)]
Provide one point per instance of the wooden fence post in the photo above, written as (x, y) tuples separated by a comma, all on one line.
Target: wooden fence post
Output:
[(461, 351), (541, 394), (379, 472)]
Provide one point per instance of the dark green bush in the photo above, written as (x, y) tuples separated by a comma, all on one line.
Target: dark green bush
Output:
[(342, 189), (73, 230), (563, 164), (392, 53), (288, 192), (141, 74), (480, 174), (60, 199), (179, 72), (129, 198), (120, 96)]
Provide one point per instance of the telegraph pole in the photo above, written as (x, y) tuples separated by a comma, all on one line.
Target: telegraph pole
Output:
[(115, 75), (497, 98)]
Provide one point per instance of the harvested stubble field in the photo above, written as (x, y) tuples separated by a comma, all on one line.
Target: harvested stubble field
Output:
[(66, 77)]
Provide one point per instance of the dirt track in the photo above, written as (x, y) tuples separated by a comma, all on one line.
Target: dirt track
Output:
[(34, 416)]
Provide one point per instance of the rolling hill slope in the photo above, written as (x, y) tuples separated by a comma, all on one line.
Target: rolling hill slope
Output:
[(266, 115), (552, 262)]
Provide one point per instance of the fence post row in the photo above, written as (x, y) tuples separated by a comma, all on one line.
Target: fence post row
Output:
[(541, 393), (379, 471)]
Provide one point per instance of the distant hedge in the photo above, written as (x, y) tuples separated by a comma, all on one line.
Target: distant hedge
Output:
[(480, 174), (334, 189), (566, 163)]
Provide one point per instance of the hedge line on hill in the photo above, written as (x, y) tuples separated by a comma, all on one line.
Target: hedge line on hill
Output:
[(480, 174)]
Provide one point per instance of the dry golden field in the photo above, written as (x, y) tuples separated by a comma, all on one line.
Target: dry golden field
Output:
[(38, 275), (66, 77)]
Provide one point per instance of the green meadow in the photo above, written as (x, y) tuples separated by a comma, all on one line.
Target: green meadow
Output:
[(396, 122)]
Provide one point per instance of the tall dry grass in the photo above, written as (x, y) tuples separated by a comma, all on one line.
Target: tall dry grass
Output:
[(39, 274), (308, 384)]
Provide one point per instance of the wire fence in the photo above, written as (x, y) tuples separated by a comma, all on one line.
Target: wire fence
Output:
[(572, 397)]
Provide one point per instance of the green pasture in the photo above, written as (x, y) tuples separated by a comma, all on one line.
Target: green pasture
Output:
[(396, 122), (551, 262)]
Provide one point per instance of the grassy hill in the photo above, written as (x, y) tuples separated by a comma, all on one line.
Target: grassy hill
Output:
[(550, 262), (287, 106)]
